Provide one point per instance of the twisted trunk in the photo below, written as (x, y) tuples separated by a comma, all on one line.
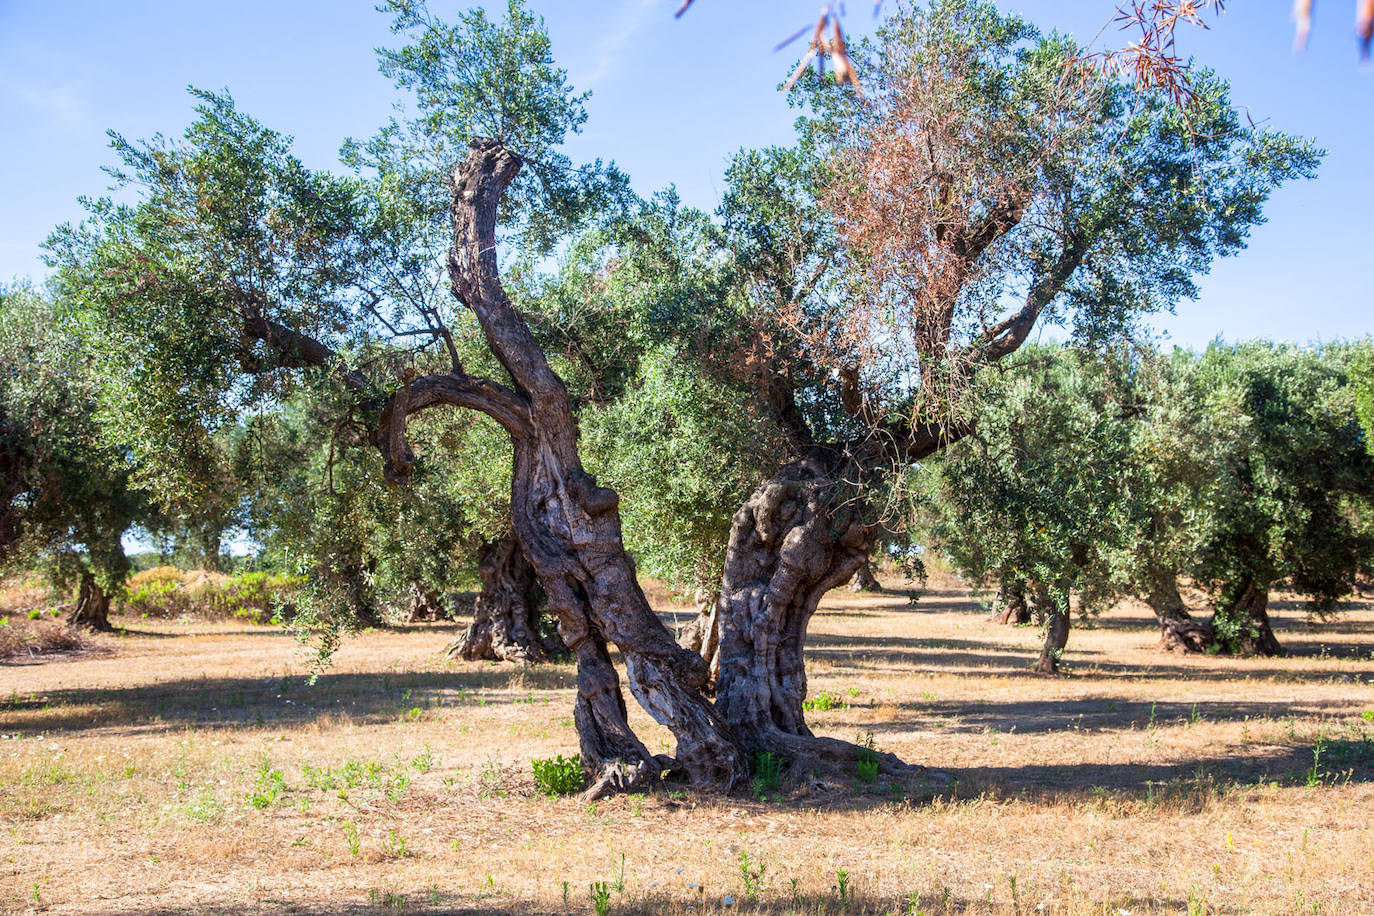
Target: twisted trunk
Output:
[(1053, 607), (1246, 614), (863, 579), (1178, 631), (702, 635), (506, 616), (422, 604), (92, 609), (568, 526), (798, 536), (1011, 607)]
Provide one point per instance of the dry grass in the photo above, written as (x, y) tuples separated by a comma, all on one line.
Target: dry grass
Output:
[(1143, 783), (30, 624)]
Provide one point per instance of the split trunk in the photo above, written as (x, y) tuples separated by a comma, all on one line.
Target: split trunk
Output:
[(568, 526)]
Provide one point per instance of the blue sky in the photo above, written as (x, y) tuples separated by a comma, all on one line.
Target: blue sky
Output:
[(672, 99)]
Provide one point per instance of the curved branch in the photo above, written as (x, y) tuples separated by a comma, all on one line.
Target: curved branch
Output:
[(289, 348), (477, 187), (1007, 336), (417, 394)]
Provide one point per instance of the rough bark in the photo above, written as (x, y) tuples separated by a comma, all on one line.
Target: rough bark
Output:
[(1178, 630), (506, 615), (1248, 613), (92, 610), (796, 538), (568, 525), (422, 604), (863, 579), (1011, 607), (1054, 609), (702, 634)]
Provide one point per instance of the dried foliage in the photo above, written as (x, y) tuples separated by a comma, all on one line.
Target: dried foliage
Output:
[(992, 181), (932, 176), (820, 47), (1152, 61)]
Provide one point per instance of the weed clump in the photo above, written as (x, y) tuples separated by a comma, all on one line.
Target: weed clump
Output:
[(558, 775)]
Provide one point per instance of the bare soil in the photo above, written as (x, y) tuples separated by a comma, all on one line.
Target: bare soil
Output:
[(190, 767)]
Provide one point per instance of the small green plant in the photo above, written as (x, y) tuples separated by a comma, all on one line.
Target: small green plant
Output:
[(558, 775), (1368, 715), (842, 888), (34, 615), (823, 702), (396, 786), (491, 782), (1315, 774), (268, 788), (619, 884), (751, 876), (866, 759), (601, 897), (424, 761), (767, 770), (350, 830), (395, 844)]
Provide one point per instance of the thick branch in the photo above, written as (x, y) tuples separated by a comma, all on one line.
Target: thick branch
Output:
[(1007, 336), (477, 187), (290, 349), (501, 404)]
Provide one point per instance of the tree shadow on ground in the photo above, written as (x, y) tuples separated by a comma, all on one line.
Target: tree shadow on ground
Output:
[(1100, 714), (419, 900), (1186, 785), (990, 659), (287, 701)]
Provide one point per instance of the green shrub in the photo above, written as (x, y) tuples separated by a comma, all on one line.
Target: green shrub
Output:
[(165, 591), (558, 775), (823, 702)]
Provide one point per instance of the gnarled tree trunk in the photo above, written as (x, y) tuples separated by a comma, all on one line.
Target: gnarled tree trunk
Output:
[(863, 579), (1178, 631), (506, 616), (1011, 607), (702, 634), (568, 525), (1053, 608), (422, 604), (92, 609), (1247, 613), (796, 538)]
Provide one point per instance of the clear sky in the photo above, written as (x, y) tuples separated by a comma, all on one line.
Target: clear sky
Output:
[(672, 99)]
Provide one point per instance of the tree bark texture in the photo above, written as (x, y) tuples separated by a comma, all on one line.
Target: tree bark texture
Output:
[(567, 524), (1054, 608), (796, 538), (506, 615), (92, 610), (1011, 607), (1248, 613), (702, 634), (863, 579), (422, 604), (1178, 630)]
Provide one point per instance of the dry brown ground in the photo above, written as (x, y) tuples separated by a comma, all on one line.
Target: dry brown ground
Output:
[(1142, 783)]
